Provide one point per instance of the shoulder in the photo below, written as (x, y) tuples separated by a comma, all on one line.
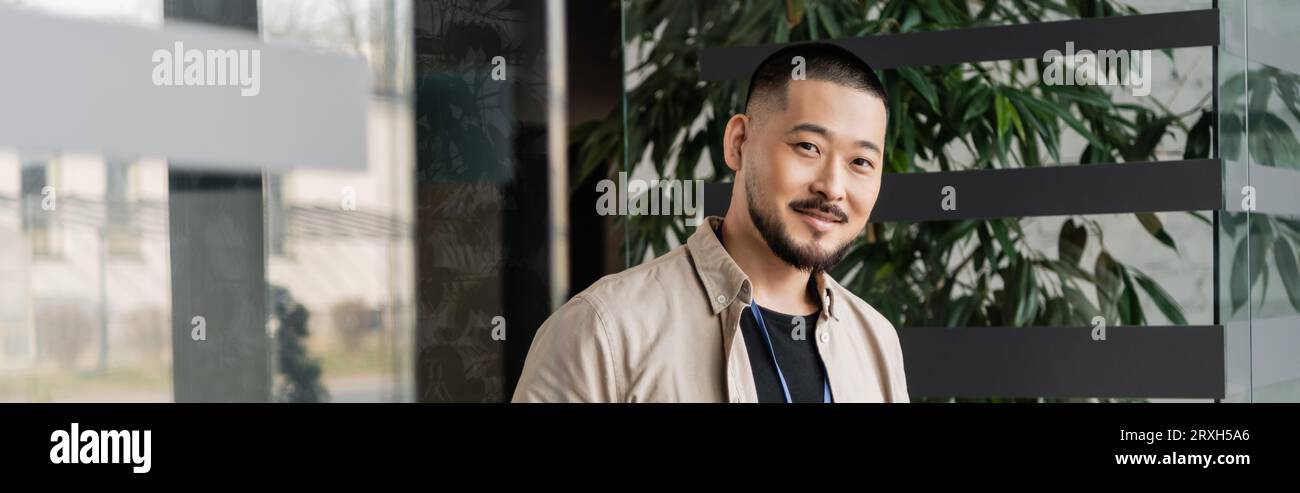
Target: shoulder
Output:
[(642, 284), (620, 309)]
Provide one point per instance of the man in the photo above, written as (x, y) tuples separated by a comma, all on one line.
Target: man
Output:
[(745, 311)]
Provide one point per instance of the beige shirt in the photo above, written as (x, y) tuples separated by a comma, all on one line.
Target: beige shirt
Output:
[(668, 330)]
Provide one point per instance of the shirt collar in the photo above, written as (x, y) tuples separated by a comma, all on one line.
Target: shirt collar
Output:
[(724, 282)]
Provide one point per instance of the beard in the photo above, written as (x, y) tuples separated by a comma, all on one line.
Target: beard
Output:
[(806, 257)]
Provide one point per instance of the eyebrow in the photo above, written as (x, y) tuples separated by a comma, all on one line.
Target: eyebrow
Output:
[(820, 130)]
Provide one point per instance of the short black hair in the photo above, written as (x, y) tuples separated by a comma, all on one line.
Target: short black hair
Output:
[(822, 61)]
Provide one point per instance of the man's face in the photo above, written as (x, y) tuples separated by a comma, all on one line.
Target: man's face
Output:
[(812, 170)]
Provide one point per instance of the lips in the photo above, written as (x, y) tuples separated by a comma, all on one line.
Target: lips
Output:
[(817, 214)]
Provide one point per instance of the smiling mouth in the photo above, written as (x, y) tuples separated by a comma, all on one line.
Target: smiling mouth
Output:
[(819, 215)]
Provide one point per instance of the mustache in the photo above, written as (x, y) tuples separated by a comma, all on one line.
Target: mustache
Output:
[(820, 204)]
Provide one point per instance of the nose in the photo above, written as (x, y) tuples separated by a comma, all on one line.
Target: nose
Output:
[(830, 181)]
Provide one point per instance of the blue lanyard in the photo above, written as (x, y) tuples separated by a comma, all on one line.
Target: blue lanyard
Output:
[(826, 382)]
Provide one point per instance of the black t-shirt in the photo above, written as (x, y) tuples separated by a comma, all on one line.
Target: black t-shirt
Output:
[(796, 351)]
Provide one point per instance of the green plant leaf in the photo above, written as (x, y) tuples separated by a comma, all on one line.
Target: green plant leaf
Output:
[(979, 103), (1000, 232), (812, 24), (1083, 95), (1065, 116), (959, 314), (1273, 142), (1143, 146), (911, 20), (1165, 303), (1261, 241), (1152, 224), (1199, 137), (1071, 242), (1025, 297), (1230, 135), (1001, 108), (1238, 289), (794, 11), (829, 22), (935, 11), (1260, 91), (883, 273), (1130, 308), (1286, 266), (922, 86), (1079, 303), (1016, 122), (782, 31), (1109, 284), (957, 231)]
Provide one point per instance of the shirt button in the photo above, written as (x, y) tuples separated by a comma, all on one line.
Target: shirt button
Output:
[(825, 337), (722, 299)]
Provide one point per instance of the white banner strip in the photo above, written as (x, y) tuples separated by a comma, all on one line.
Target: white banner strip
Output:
[(202, 97)]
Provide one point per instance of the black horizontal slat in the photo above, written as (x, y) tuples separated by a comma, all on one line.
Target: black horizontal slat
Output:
[(1133, 362), (1135, 32), (1188, 185)]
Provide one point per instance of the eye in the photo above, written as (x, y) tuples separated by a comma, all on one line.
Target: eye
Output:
[(807, 146), (863, 162)]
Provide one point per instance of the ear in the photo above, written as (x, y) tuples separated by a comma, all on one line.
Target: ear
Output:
[(733, 139)]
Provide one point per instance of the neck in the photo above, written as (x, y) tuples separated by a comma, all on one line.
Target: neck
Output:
[(777, 285)]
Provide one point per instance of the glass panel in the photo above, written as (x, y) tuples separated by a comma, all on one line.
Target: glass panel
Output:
[(482, 181), (340, 243), (1260, 139), (1233, 294), (86, 282), (1160, 269), (1273, 135), (90, 247)]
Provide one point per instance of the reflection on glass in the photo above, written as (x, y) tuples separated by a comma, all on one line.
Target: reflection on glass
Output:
[(1266, 264), (85, 279), (340, 244), (86, 242)]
